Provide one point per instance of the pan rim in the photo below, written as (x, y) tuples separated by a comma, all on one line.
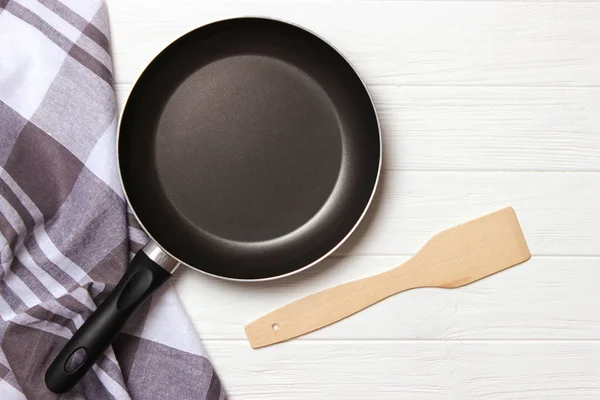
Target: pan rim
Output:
[(350, 231)]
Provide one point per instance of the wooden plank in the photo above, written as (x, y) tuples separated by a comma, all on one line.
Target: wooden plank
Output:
[(490, 128), (399, 43), (558, 211), (474, 128), (410, 370), (544, 298)]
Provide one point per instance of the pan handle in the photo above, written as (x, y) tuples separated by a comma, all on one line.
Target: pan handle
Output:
[(149, 269)]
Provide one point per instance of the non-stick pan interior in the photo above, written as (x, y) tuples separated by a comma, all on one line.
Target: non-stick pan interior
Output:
[(249, 148)]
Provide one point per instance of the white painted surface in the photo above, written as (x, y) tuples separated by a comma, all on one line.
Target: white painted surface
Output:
[(483, 105), (419, 370)]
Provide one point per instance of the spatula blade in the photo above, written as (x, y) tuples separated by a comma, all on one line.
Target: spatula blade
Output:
[(473, 250)]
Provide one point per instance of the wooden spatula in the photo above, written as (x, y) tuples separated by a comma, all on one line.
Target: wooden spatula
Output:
[(452, 258)]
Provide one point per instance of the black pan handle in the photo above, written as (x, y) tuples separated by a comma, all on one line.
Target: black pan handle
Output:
[(80, 353)]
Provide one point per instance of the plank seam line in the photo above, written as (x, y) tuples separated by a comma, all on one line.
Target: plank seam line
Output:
[(204, 340), (590, 256), (502, 171), (451, 86)]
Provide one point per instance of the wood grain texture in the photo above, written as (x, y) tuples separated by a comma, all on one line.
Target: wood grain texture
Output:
[(545, 299), (450, 259), (485, 128), (411, 370), (409, 206), (398, 43), (482, 89)]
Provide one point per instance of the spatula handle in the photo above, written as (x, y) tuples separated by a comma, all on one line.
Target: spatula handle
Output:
[(323, 308)]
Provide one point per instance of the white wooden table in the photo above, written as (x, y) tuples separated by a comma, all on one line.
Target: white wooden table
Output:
[(483, 105)]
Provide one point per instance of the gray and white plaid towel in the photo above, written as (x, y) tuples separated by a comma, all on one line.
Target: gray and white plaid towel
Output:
[(65, 233)]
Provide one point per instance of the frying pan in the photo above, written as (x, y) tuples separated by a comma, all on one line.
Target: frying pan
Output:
[(248, 149)]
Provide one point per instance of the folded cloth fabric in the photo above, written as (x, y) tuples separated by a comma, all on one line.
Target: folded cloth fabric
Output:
[(65, 232)]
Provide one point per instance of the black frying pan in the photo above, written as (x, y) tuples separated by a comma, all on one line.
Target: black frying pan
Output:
[(249, 149)]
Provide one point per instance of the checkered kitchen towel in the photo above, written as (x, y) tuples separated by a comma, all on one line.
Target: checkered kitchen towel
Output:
[(65, 233)]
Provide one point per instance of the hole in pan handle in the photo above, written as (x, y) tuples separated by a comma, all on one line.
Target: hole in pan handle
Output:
[(149, 269)]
